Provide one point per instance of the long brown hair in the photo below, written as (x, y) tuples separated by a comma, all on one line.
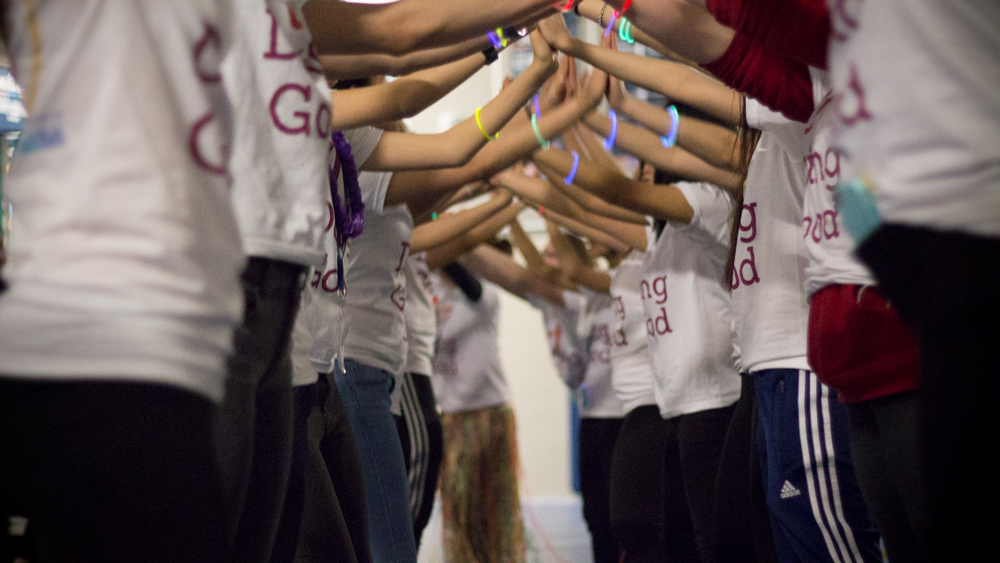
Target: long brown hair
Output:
[(746, 139)]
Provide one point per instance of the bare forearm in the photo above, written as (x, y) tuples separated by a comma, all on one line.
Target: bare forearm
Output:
[(613, 234), (674, 80), (592, 203), (712, 143), (345, 67), (451, 225), (648, 146), (448, 252), (410, 25), (400, 98)]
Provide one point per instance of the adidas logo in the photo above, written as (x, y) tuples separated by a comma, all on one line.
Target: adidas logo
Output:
[(788, 490)]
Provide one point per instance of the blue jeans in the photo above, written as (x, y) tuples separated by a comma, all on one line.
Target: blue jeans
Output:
[(366, 392)]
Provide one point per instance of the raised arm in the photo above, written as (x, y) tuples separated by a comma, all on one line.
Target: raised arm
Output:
[(662, 202), (448, 252), (409, 25), (345, 67), (450, 225), (504, 271), (517, 140), (617, 235), (542, 193), (578, 272), (676, 81), (648, 146), (401, 98), (712, 143), (404, 151)]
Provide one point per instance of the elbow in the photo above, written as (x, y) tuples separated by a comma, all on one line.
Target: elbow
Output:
[(411, 31)]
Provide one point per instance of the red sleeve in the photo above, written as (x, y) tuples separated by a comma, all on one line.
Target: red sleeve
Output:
[(781, 84), (799, 29)]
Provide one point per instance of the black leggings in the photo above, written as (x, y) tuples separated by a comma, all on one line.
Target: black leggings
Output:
[(741, 531), (422, 438), (700, 437), (597, 445), (942, 284), (112, 472), (649, 512)]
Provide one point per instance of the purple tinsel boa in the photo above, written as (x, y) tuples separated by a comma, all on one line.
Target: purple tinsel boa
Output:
[(349, 219)]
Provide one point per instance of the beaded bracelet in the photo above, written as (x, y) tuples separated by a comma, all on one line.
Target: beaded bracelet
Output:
[(482, 129), (675, 122), (538, 134)]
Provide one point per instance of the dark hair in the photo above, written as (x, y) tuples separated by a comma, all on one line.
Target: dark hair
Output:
[(747, 138), (503, 245), (352, 83)]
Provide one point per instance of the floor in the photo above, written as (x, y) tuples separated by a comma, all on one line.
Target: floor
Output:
[(556, 532)]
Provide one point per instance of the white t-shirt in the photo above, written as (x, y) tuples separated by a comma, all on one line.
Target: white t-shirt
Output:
[(769, 302), (595, 397), (918, 85), (421, 315), (324, 315), (467, 373), (376, 295), (830, 247), (631, 368), (566, 347), (687, 312), (282, 143), (125, 254)]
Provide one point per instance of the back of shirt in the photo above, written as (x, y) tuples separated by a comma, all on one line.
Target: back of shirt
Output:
[(595, 397), (769, 302), (631, 369), (125, 255), (687, 312), (467, 372), (918, 105), (281, 151)]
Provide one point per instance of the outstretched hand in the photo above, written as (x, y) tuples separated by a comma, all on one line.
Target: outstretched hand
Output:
[(543, 53), (555, 31)]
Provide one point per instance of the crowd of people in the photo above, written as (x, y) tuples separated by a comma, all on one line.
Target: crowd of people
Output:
[(247, 316)]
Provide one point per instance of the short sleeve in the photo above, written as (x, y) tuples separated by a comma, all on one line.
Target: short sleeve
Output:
[(363, 141), (374, 186), (791, 135), (712, 207)]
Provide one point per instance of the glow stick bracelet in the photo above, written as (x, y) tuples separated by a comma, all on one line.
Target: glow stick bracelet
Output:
[(609, 141), (537, 110), (494, 40), (483, 129), (611, 23), (538, 134), (572, 173), (675, 122)]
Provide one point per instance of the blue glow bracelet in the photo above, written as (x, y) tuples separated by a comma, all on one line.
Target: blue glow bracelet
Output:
[(538, 112), (611, 23), (572, 173), (609, 141), (494, 40), (675, 123)]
